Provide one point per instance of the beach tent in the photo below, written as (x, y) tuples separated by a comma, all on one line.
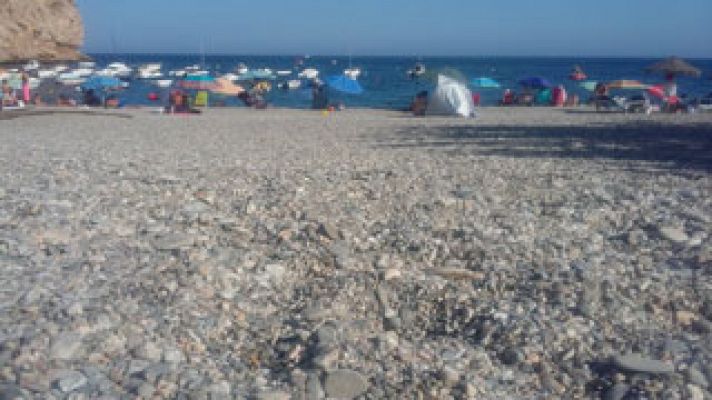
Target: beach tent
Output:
[(450, 97), (343, 83)]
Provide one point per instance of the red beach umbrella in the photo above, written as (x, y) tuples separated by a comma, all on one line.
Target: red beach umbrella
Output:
[(657, 91)]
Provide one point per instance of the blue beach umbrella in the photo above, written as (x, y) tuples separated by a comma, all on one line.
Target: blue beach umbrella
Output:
[(535, 82), (344, 84), (485, 82)]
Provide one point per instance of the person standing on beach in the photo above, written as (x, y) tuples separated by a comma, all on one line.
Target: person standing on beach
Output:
[(26, 88)]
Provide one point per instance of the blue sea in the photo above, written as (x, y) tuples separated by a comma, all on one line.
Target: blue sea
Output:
[(385, 81)]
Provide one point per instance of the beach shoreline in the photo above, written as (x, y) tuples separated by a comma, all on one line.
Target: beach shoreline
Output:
[(241, 253)]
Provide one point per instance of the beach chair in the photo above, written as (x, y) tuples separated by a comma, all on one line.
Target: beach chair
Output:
[(705, 103), (637, 104), (201, 99)]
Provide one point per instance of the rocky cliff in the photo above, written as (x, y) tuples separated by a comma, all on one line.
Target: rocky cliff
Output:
[(45, 30)]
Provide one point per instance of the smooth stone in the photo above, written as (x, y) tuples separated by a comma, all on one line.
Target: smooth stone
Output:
[(694, 392), (313, 388), (71, 380), (137, 366), (65, 346), (695, 376), (173, 242), (328, 230), (345, 384), (145, 390), (12, 392), (676, 235), (173, 356), (450, 376), (637, 363), (326, 359), (220, 390), (149, 351), (273, 395), (391, 274), (617, 391)]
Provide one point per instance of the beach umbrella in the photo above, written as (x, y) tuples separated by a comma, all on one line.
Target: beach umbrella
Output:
[(344, 84), (224, 86), (674, 66), (101, 83), (535, 82), (657, 91), (589, 85), (485, 82), (198, 82), (627, 84)]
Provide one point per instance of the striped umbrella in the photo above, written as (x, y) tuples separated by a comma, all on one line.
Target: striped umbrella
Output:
[(627, 84), (198, 82)]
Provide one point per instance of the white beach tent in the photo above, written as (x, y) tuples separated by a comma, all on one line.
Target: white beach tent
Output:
[(450, 97)]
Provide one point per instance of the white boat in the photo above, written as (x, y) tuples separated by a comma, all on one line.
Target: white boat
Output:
[(230, 77), (71, 75), (31, 65), (105, 72), (150, 71), (46, 73), (195, 70), (83, 72), (60, 68), (87, 64), (416, 71), (150, 74), (177, 73), (119, 69), (294, 84), (241, 68), (352, 73), (284, 72), (308, 73), (163, 83)]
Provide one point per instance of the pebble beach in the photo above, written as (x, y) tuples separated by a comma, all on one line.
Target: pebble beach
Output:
[(529, 253)]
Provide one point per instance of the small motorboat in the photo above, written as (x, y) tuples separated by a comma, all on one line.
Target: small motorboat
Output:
[(31, 65), (308, 73), (46, 73), (417, 70), (352, 73), (118, 69), (163, 83), (290, 84), (230, 77), (150, 71), (284, 72), (87, 64), (241, 68)]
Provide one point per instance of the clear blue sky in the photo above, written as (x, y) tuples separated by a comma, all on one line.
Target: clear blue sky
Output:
[(402, 27)]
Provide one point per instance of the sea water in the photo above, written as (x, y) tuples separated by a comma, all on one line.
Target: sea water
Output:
[(386, 82)]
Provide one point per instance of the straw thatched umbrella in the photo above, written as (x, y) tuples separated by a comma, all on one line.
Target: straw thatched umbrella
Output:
[(674, 66)]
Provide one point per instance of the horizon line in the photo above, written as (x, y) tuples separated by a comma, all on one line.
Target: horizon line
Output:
[(223, 54)]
